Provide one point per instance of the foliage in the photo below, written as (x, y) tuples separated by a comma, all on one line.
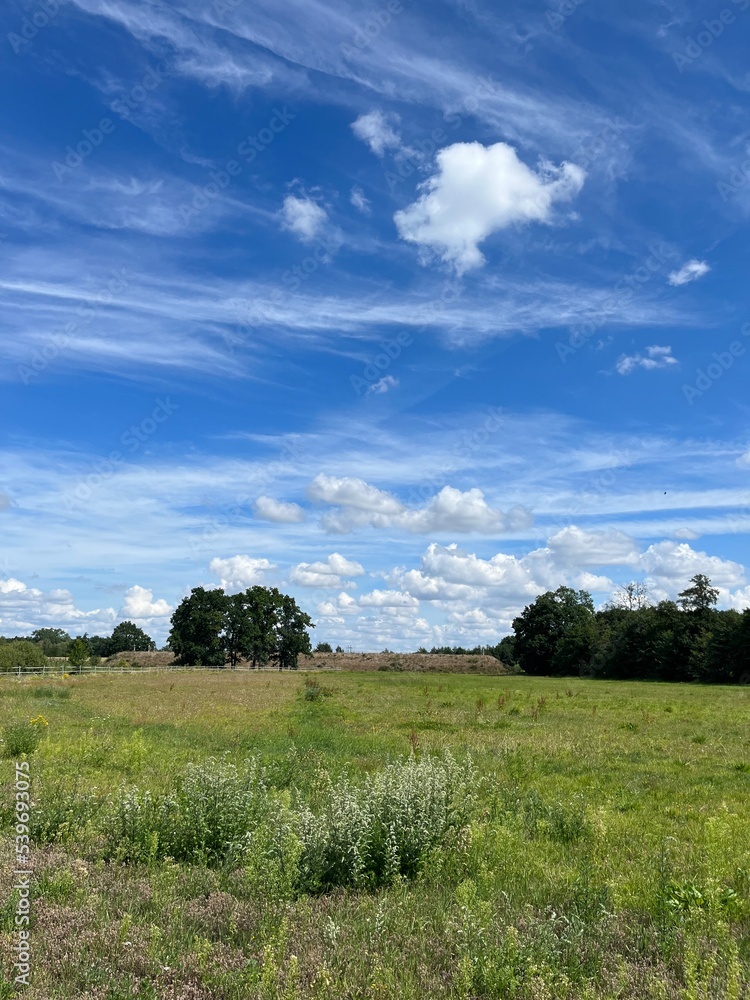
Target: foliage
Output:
[(324, 647), (555, 634), (687, 640), (260, 625), (127, 637), (53, 641), (21, 739), (21, 653), (78, 653), (369, 835)]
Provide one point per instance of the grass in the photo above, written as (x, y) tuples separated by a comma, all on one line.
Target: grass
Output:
[(600, 847)]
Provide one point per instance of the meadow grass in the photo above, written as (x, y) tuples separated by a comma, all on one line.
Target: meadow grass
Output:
[(575, 839)]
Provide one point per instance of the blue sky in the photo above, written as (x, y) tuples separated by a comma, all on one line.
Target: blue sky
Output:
[(412, 310)]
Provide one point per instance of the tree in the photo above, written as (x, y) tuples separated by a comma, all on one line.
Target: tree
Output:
[(324, 647), (197, 628), (632, 596), (21, 653), (78, 653), (128, 637), (555, 635), (259, 625), (53, 641), (701, 597), (291, 632)]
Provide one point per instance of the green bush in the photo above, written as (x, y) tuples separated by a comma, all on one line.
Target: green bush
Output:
[(20, 739), (26, 655)]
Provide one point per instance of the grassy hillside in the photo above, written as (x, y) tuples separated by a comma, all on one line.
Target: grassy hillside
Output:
[(584, 840)]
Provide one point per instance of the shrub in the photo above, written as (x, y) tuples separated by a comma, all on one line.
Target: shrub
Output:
[(22, 738), (368, 835), (26, 655), (314, 691), (208, 819)]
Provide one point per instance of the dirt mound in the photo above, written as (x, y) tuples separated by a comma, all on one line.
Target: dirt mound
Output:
[(433, 663), (137, 659)]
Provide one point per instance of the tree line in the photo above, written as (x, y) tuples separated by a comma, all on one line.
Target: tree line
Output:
[(31, 652), (631, 638)]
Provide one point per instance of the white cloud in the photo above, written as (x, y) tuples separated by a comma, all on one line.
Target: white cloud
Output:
[(744, 460), (332, 573), (655, 357), (303, 217), (477, 191), (139, 603), (388, 599), (609, 547), (691, 271), (268, 509), (361, 504), (378, 131), (670, 565), (24, 609), (383, 385), (354, 493), (345, 605), (239, 572), (452, 510), (360, 202)]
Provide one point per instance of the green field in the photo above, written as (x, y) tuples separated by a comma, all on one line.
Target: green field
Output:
[(596, 841)]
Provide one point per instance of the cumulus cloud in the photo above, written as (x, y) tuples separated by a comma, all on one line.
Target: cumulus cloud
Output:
[(332, 573), (574, 546), (139, 603), (345, 604), (655, 357), (388, 599), (303, 217), (361, 504), (23, 609), (670, 565), (268, 509), (478, 190), (691, 271), (240, 572), (354, 493), (378, 130)]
